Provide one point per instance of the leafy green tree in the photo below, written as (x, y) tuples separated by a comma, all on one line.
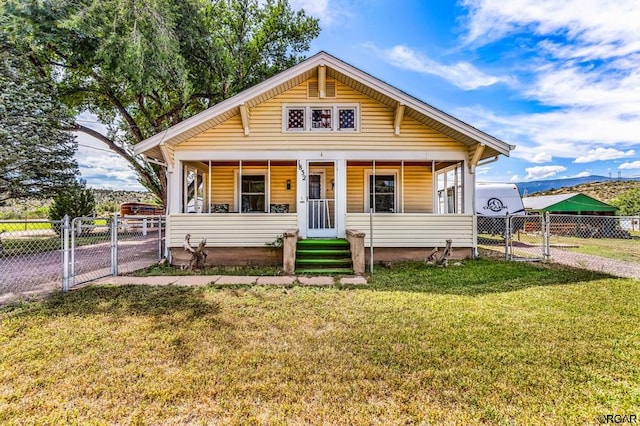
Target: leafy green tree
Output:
[(36, 153), (144, 65), (628, 203), (76, 201)]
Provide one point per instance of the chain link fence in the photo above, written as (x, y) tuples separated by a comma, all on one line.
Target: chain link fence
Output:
[(37, 256), (610, 237), (30, 256), (603, 243)]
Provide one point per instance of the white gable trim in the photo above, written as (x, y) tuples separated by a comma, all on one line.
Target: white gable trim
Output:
[(172, 135)]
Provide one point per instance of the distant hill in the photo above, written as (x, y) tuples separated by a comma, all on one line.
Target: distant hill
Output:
[(604, 190), (40, 208), (119, 197), (547, 187)]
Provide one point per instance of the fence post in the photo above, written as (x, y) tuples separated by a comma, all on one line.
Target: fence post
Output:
[(114, 245), (547, 237), (144, 227), (507, 236), (65, 253), (159, 238), (72, 266)]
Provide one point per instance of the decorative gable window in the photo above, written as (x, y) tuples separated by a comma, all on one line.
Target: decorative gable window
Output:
[(295, 119), (321, 118), (314, 118), (347, 117)]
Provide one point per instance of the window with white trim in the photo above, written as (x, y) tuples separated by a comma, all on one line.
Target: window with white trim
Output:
[(450, 189), (253, 193), (315, 118), (295, 118), (382, 191)]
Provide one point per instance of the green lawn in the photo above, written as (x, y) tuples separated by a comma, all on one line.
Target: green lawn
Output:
[(487, 342)]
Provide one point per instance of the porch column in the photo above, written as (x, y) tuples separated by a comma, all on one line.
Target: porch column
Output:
[(469, 190), (175, 193), (340, 193), (301, 196)]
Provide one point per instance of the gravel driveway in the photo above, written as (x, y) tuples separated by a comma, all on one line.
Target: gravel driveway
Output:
[(614, 267), (618, 268)]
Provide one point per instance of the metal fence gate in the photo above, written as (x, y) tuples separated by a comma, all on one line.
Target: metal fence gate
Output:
[(526, 238), (37, 256), (103, 247)]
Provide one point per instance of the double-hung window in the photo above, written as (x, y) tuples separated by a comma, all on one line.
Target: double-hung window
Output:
[(253, 191), (382, 191)]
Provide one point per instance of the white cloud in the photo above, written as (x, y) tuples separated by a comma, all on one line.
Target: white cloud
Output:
[(592, 23), (541, 157), (462, 74), (327, 12), (561, 134), (601, 154), (585, 65), (582, 174), (515, 178), (543, 172), (630, 166)]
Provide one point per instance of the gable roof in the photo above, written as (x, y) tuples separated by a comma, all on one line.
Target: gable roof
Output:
[(342, 72), (575, 202)]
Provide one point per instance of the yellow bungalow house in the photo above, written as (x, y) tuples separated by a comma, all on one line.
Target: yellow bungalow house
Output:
[(324, 149)]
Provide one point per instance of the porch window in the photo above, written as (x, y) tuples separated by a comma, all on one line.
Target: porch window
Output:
[(382, 191), (253, 193), (450, 189)]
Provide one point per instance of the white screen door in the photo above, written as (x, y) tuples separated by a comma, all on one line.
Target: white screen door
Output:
[(321, 199)]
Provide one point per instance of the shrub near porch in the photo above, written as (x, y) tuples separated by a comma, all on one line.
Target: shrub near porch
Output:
[(487, 342)]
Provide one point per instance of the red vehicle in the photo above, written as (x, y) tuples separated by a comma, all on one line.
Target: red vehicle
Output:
[(140, 209)]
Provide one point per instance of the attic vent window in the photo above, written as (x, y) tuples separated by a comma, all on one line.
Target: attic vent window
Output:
[(313, 90)]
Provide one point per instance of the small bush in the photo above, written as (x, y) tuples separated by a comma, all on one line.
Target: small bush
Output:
[(77, 201)]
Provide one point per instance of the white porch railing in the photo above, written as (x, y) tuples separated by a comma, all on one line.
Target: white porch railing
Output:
[(320, 214)]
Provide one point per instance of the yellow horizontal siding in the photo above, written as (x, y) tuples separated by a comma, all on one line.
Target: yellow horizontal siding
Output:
[(414, 229), (418, 188), (279, 192), (376, 131), (223, 179), (355, 189), (229, 229)]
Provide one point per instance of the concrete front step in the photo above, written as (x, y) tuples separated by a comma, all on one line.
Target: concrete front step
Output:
[(324, 271)]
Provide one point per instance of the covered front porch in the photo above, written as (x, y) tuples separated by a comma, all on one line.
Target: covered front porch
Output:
[(251, 202)]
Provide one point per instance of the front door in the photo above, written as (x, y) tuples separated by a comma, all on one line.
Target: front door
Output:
[(321, 207)]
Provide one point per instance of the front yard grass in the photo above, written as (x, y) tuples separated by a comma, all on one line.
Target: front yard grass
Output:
[(487, 342)]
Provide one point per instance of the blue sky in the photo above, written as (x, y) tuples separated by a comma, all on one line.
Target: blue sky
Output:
[(558, 79)]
